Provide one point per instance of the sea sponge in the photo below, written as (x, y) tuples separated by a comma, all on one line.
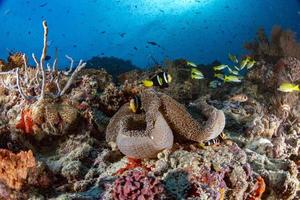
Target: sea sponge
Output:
[(14, 168), (137, 185), (183, 123)]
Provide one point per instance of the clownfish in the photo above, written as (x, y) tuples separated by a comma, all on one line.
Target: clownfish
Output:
[(135, 104)]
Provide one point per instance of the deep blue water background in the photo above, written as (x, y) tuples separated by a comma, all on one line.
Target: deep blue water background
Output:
[(198, 30)]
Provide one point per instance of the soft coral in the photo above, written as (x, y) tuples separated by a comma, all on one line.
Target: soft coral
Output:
[(26, 122)]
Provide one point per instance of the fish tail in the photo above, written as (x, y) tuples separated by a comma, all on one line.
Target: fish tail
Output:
[(297, 88), (148, 83)]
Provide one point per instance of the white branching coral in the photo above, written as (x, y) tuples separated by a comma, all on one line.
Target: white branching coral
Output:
[(31, 82)]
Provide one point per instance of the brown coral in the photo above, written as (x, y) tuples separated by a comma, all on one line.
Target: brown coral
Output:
[(283, 43), (15, 60), (113, 97), (14, 168), (184, 124), (146, 134)]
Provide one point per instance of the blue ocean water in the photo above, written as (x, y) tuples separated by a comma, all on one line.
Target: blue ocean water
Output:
[(197, 30)]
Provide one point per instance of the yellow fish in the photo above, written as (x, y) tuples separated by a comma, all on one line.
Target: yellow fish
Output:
[(135, 104), (245, 62), (219, 76), (235, 72), (161, 79), (196, 74), (251, 64), (235, 67), (191, 64), (233, 58), (288, 87), (220, 67), (231, 78)]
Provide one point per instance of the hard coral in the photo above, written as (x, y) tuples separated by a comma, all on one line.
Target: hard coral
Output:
[(137, 185), (113, 97), (285, 70), (14, 168), (53, 118), (208, 182)]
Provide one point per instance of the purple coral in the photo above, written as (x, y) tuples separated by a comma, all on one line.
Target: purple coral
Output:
[(137, 185), (208, 182)]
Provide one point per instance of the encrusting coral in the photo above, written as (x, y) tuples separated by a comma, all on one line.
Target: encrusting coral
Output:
[(136, 185), (14, 168)]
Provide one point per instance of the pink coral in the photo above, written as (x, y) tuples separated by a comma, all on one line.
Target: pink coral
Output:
[(137, 185)]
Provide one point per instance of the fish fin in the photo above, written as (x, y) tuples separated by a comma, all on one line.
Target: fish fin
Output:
[(148, 83), (132, 107), (202, 145)]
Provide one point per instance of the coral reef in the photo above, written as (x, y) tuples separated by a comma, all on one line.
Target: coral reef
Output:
[(64, 133), (282, 43)]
